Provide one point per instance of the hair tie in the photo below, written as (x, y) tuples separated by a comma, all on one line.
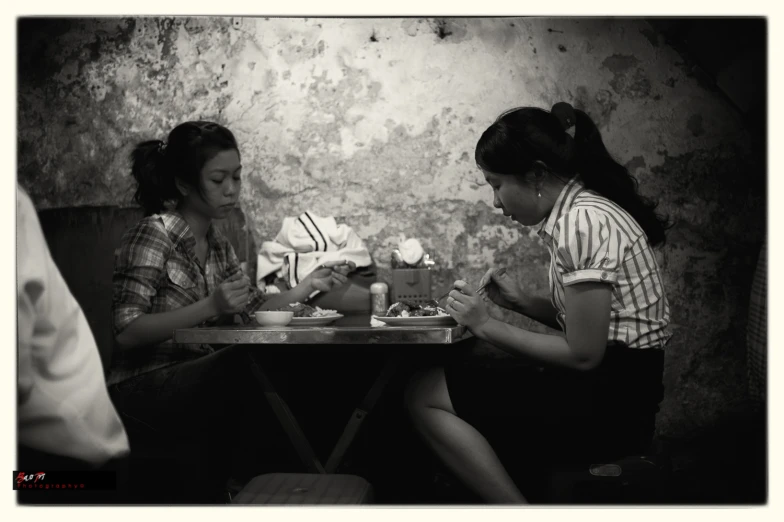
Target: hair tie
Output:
[(161, 147), (565, 115)]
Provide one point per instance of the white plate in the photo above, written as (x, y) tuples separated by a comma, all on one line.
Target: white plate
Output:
[(431, 320), (314, 321)]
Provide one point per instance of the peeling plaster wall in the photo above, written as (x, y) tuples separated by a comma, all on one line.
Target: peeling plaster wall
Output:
[(375, 122)]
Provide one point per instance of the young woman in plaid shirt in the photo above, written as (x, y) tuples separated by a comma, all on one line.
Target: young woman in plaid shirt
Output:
[(175, 270), (591, 392)]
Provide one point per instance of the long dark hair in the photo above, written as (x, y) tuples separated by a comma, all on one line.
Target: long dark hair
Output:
[(520, 137), (155, 164)]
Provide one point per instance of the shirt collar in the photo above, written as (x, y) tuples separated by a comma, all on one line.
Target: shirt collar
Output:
[(180, 232), (562, 205)]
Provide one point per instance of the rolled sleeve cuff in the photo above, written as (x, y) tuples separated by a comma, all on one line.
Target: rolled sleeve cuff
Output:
[(591, 274), (125, 316)]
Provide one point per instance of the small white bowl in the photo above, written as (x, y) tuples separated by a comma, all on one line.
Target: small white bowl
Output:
[(277, 318)]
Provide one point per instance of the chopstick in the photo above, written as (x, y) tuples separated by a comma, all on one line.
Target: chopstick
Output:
[(446, 294), (343, 262), (500, 272)]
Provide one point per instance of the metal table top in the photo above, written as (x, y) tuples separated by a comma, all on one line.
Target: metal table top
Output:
[(322, 335)]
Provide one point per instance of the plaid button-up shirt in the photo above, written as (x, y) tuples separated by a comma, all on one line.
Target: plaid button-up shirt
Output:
[(590, 238), (156, 270)]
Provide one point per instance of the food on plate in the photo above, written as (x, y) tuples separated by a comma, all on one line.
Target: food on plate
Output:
[(409, 309), (322, 312), (304, 310)]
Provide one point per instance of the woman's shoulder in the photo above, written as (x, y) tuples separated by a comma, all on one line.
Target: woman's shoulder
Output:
[(591, 209), (148, 231)]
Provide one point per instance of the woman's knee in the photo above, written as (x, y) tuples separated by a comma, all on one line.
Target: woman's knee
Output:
[(427, 389), (226, 371), (412, 396)]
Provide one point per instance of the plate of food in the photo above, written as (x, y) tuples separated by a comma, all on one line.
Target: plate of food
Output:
[(306, 315), (404, 313)]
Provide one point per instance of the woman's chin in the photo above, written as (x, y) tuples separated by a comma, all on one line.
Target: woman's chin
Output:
[(223, 211), (524, 222)]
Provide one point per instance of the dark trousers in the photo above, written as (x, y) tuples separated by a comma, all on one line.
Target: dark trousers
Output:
[(211, 418), (542, 418)]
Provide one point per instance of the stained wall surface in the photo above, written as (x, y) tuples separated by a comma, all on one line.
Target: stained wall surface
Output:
[(374, 121)]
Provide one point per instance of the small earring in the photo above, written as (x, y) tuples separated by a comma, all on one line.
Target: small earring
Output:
[(539, 194)]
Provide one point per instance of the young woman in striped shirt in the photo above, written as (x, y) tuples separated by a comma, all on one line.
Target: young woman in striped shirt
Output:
[(592, 391)]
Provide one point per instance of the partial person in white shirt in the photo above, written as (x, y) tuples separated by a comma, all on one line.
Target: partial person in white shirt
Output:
[(65, 419)]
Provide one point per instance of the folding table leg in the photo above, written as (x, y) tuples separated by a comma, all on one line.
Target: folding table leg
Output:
[(287, 420), (362, 411)]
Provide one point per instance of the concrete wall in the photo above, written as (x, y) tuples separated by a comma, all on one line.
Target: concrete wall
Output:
[(375, 122)]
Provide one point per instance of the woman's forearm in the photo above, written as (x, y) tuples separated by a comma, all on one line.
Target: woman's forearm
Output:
[(539, 309), (298, 294), (551, 350), (150, 329)]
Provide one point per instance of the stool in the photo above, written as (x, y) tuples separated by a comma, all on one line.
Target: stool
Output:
[(630, 480), (305, 488), (152, 454)]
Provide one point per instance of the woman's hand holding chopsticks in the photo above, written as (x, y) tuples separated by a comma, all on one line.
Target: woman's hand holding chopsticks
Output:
[(231, 297)]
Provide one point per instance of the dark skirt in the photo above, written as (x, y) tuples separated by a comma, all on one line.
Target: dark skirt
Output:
[(555, 417), (209, 416)]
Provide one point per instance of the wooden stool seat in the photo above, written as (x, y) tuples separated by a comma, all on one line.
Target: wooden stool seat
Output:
[(305, 489)]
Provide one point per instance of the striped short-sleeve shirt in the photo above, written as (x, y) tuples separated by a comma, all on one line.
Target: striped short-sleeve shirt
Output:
[(590, 238)]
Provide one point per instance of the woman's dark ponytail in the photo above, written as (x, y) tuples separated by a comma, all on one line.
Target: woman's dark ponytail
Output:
[(601, 173), (155, 182), (523, 136)]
